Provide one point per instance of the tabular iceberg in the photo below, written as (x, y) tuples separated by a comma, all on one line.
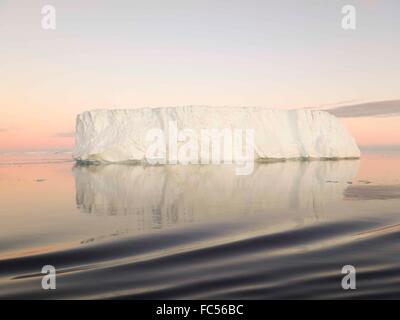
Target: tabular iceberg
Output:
[(120, 135)]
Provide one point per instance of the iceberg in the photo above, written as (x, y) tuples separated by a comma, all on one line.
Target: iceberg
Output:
[(113, 136)]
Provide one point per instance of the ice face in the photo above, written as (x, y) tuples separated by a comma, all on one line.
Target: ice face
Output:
[(123, 135)]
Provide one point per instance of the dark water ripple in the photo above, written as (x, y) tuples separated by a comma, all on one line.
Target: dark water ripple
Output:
[(291, 264)]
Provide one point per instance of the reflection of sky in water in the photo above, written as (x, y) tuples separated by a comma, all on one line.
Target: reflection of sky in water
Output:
[(46, 205), (169, 194), (200, 231)]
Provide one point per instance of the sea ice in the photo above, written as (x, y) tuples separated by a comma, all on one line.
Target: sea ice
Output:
[(121, 135)]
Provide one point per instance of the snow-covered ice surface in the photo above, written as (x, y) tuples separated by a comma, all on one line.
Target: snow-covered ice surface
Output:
[(120, 135)]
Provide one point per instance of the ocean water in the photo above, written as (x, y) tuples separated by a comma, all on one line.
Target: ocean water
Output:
[(199, 232)]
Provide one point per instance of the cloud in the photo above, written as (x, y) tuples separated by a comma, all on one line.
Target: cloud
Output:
[(339, 103), (3, 130), (377, 108), (68, 134)]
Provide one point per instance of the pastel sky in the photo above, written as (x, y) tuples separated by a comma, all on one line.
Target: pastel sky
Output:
[(127, 54)]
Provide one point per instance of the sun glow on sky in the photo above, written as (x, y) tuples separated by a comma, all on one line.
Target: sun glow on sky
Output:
[(123, 54)]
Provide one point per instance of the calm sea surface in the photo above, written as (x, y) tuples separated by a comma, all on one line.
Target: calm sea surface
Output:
[(199, 232)]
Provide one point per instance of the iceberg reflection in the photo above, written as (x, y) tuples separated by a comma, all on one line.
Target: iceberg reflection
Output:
[(160, 195)]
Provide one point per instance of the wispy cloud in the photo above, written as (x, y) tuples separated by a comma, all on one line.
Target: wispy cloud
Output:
[(381, 147), (3, 130), (68, 134), (377, 108), (339, 104)]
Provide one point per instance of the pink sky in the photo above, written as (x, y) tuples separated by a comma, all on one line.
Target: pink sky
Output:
[(37, 134), (126, 54), (374, 130)]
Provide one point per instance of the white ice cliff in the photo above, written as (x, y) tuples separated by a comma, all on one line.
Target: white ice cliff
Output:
[(121, 135)]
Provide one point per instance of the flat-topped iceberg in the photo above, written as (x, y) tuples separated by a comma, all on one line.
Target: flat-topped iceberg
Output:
[(123, 135)]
